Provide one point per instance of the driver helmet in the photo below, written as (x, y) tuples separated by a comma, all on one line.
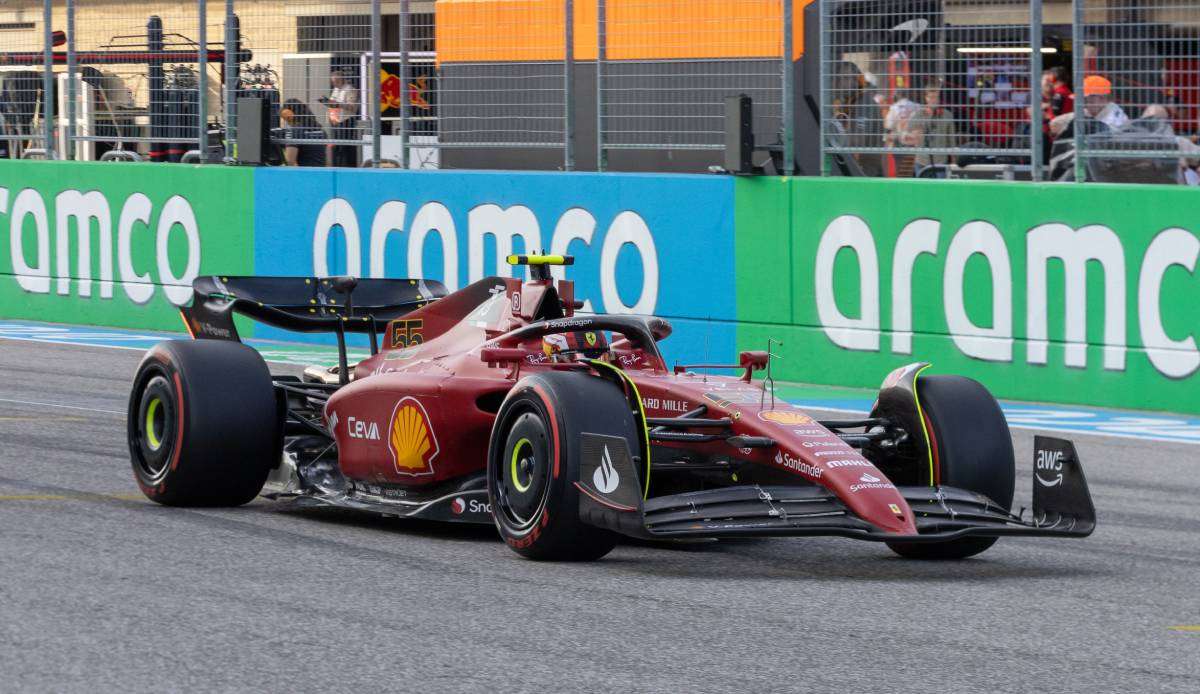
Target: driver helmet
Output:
[(590, 343)]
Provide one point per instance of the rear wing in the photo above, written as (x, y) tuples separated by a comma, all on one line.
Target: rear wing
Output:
[(303, 304)]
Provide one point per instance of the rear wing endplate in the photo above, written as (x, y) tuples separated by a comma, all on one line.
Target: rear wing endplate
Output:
[(303, 304)]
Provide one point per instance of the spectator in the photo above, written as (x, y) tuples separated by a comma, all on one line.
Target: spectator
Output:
[(1157, 112), (897, 133), (1057, 98), (300, 124), (932, 127), (1098, 102), (343, 103), (1188, 165)]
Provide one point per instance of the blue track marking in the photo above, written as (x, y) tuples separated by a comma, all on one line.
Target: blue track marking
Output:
[(116, 338), (1146, 426)]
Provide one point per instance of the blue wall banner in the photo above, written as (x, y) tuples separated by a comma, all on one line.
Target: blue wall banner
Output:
[(645, 244)]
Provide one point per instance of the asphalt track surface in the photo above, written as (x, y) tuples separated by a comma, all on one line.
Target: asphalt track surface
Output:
[(101, 590)]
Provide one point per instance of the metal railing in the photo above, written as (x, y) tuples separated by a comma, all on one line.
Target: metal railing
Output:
[(914, 87), (1067, 90), (1136, 115), (352, 82), (661, 84), (931, 88)]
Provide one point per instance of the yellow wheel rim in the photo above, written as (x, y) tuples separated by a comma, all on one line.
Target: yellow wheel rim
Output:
[(151, 429), (516, 455)]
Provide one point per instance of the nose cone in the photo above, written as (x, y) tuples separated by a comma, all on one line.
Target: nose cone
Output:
[(873, 497)]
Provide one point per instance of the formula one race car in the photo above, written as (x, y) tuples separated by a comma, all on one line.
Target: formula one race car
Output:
[(499, 404)]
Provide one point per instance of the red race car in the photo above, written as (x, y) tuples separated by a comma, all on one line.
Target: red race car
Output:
[(499, 404)]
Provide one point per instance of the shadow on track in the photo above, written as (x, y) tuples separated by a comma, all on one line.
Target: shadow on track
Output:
[(761, 559)]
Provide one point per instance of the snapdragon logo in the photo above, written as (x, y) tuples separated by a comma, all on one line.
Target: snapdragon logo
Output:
[(1012, 271), (42, 263), (496, 225)]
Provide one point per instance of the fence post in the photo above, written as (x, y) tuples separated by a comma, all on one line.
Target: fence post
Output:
[(789, 90), (601, 55), (1035, 90), (404, 100), (823, 68), (376, 110), (1077, 48), (71, 86), (232, 45), (202, 78), (48, 77), (568, 87)]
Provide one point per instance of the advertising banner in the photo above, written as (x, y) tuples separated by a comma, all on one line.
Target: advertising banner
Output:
[(118, 244), (643, 244), (1082, 294), (1079, 294)]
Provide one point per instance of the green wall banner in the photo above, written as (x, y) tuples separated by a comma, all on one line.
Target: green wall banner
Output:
[(1082, 294), (118, 244)]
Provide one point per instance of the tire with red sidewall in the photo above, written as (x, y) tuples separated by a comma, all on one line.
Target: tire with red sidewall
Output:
[(204, 427), (534, 459), (974, 452)]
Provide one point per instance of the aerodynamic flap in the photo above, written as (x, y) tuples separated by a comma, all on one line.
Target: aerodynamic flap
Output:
[(304, 304), (1060, 491)]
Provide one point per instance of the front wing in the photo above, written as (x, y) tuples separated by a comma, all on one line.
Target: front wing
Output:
[(1062, 507)]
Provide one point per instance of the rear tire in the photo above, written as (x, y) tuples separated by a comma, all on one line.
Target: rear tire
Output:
[(203, 423), (974, 451), (535, 509)]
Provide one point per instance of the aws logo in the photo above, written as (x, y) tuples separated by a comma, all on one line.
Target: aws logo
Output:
[(412, 441)]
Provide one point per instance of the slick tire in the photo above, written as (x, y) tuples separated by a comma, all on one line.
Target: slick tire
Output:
[(973, 450), (535, 456), (203, 423)]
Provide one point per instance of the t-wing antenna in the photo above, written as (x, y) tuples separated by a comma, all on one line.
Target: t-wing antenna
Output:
[(539, 265), (768, 379)]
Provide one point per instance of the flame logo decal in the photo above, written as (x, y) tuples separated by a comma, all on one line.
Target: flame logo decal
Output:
[(412, 442)]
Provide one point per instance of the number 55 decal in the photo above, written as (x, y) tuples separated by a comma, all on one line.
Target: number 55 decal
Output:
[(406, 333)]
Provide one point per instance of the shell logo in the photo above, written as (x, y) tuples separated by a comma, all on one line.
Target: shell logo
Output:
[(411, 440), (785, 417)]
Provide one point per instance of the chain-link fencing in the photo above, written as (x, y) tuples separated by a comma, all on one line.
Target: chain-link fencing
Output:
[(138, 87), (310, 62), (27, 92), (665, 69), (1105, 90), (504, 73), (926, 88), (1136, 115)]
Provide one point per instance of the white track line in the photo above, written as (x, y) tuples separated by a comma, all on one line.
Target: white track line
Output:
[(65, 407)]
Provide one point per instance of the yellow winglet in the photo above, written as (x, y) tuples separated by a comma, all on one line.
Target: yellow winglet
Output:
[(541, 260)]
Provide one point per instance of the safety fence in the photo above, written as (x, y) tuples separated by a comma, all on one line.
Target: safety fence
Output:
[(887, 88), (1099, 90), (390, 82)]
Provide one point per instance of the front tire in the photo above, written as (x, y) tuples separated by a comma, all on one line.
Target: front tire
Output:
[(973, 450), (535, 457), (203, 424)]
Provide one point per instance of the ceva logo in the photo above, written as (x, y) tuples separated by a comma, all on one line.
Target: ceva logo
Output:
[(37, 270), (503, 225)]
